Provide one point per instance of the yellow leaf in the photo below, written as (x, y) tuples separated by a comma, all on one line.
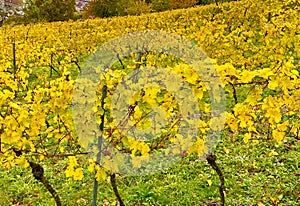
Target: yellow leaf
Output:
[(278, 136), (69, 171), (252, 129), (275, 200), (137, 113), (91, 167), (100, 174), (145, 150), (254, 95), (22, 162), (247, 136), (78, 174), (61, 149), (273, 83), (131, 66), (273, 153), (42, 157), (209, 182), (283, 127), (265, 73), (247, 76)]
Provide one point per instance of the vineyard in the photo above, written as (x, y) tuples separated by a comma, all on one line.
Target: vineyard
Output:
[(250, 109)]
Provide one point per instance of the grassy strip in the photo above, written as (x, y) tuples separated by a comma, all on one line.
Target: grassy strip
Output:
[(253, 173)]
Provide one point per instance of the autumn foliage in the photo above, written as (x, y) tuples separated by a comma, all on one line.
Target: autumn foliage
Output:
[(255, 47)]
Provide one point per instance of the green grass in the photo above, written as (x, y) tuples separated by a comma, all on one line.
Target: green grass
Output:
[(184, 184)]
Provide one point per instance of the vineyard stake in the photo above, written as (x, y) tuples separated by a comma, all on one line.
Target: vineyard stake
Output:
[(104, 92)]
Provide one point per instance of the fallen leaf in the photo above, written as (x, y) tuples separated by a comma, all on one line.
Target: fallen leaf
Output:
[(273, 153), (209, 182), (226, 150), (275, 200), (260, 203)]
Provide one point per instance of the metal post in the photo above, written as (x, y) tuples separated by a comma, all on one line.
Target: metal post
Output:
[(104, 93)]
